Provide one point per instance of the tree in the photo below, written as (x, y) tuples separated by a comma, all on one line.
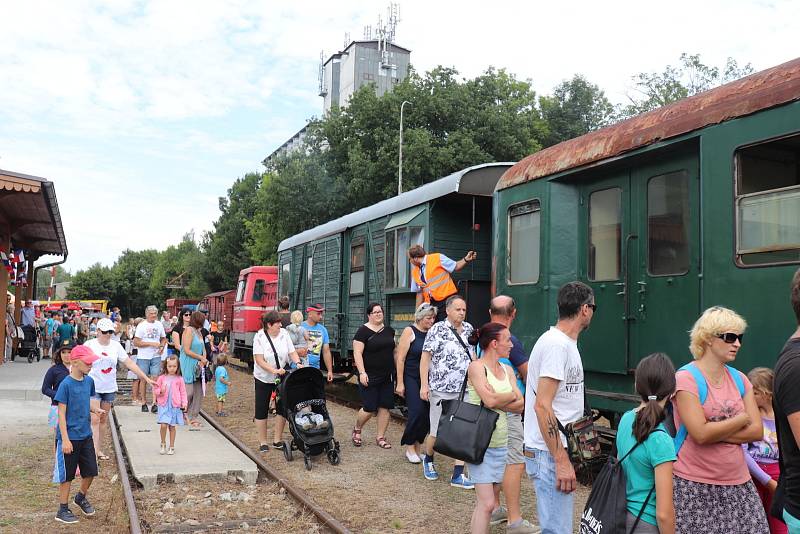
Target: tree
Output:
[(227, 248), (132, 273), (184, 261), (43, 280), (95, 283), (692, 76), (575, 108)]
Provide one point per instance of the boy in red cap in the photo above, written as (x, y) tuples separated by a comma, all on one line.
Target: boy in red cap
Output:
[(75, 446)]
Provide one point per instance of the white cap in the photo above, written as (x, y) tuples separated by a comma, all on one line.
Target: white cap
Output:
[(104, 325)]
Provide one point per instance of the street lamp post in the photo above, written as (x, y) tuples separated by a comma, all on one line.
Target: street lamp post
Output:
[(400, 162)]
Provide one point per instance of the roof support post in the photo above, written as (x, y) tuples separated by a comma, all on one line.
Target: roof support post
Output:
[(5, 242), (30, 274)]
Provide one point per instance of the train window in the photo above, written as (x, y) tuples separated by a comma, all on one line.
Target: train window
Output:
[(768, 202), (357, 260), (668, 224), (286, 280), (258, 290), (240, 289), (397, 265), (605, 234), (309, 275), (524, 234)]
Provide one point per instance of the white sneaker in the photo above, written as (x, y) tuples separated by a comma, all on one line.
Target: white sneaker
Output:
[(413, 457), (171, 451), (163, 449)]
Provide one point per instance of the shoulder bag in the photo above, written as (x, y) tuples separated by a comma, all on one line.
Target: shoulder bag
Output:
[(275, 356)]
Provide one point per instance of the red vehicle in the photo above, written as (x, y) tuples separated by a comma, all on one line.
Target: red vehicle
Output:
[(176, 305), (256, 292), (219, 306)]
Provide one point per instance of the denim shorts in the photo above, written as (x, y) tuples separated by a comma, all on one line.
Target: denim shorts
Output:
[(105, 397), (151, 367), (491, 470)]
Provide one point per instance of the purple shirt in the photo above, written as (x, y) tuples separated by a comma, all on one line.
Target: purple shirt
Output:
[(764, 451)]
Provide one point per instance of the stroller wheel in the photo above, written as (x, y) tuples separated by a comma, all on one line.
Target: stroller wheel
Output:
[(287, 450), (333, 457), (38, 355), (30, 357), (307, 461)]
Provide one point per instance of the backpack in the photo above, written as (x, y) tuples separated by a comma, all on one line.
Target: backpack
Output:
[(680, 433), (606, 509)]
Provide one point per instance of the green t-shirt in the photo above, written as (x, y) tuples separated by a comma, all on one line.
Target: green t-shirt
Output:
[(65, 331), (640, 466)]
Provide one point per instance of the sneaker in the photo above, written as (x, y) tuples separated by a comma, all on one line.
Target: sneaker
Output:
[(498, 516), (278, 445), (413, 458), (144, 408), (170, 451), (263, 448), (429, 470), (154, 409), (163, 449), (323, 424), (522, 527), (65, 515), (84, 505), (462, 482)]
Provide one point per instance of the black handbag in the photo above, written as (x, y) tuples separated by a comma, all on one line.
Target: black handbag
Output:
[(465, 429)]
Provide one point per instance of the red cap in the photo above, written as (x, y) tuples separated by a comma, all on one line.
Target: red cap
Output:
[(84, 354), (316, 308)]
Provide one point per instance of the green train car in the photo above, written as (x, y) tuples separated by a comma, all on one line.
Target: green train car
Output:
[(663, 215), (349, 262)]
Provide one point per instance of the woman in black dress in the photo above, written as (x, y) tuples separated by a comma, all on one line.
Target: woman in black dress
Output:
[(409, 351), (373, 352)]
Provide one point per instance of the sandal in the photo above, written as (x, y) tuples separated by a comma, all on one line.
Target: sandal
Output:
[(195, 423), (382, 443), (356, 437), (102, 456)]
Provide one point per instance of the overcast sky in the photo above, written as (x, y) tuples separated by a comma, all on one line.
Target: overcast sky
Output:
[(143, 113)]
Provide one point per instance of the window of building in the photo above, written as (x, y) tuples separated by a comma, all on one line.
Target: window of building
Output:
[(524, 234), (369, 76), (357, 261), (768, 202), (605, 234), (397, 273), (668, 224)]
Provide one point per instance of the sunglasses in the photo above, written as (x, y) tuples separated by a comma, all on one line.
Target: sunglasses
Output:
[(593, 307), (730, 337), (106, 331), (187, 314)]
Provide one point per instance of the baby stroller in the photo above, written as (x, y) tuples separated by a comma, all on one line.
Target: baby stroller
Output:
[(301, 401), (29, 344)]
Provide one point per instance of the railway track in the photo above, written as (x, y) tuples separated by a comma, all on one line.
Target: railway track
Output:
[(139, 524)]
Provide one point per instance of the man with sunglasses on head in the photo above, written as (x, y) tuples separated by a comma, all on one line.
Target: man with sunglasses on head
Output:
[(318, 343), (104, 374), (554, 393), (786, 401), (151, 340)]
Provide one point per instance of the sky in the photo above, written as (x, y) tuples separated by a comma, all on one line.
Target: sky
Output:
[(143, 113)]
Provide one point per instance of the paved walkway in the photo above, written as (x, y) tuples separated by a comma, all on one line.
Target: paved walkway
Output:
[(23, 408), (202, 452)]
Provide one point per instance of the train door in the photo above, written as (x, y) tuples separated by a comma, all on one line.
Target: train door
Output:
[(664, 281), (605, 238)]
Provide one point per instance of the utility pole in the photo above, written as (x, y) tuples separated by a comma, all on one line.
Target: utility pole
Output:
[(400, 162)]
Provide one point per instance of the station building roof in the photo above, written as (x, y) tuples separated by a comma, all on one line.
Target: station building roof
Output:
[(762, 90), (28, 205), (479, 180)]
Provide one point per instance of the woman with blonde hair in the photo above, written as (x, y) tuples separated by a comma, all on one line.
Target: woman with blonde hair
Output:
[(715, 413)]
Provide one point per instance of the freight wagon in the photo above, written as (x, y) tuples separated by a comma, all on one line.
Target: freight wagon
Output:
[(664, 215), (348, 262), (219, 306)]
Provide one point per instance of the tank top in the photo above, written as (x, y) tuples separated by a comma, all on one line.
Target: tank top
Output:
[(188, 364), (414, 353), (500, 435)]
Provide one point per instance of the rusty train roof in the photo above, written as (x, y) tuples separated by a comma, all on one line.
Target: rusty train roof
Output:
[(762, 90)]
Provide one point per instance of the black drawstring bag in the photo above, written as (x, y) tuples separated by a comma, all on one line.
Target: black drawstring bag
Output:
[(606, 510)]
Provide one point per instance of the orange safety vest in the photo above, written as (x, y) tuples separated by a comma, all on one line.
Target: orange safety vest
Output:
[(439, 285)]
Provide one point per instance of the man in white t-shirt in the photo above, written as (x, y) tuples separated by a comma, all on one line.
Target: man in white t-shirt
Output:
[(151, 341), (104, 374), (555, 393)]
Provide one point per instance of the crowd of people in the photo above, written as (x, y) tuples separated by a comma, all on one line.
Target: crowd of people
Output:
[(709, 448)]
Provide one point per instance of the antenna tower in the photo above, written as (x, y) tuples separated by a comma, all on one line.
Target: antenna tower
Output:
[(386, 34), (323, 86)]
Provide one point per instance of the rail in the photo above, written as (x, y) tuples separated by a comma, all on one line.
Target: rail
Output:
[(127, 491)]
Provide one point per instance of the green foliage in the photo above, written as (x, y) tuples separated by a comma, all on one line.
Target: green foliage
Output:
[(575, 108), (691, 76), (96, 283), (43, 280)]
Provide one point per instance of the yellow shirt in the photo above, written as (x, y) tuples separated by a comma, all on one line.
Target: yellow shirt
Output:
[(500, 435)]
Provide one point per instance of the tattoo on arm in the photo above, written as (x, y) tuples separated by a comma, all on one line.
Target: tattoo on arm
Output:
[(552, 426)]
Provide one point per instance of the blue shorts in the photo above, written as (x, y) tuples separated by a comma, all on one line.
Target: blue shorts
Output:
[(151, 367), (492, 469), (82, 457), (105, 397)]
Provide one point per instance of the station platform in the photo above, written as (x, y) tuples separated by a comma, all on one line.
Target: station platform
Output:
[(20, 380), (199, 453)]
